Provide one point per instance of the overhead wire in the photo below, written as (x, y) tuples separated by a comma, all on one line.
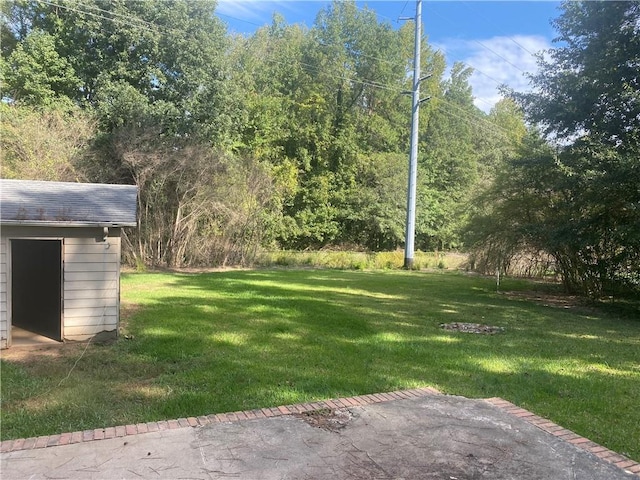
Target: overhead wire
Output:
[(366, 82), (468, 116), (158, 28), (485, 19), (92, 14), (127, 20), (379, 15), (402, 11), (475, 68), (483, 45), (498, 83), (239, 19), (112, 13)]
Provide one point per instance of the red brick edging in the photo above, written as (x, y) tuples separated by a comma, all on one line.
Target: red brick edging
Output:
[(607, 455), (357, 401), (127, 430)]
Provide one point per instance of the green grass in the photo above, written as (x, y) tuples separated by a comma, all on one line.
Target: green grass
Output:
[(226, 341)]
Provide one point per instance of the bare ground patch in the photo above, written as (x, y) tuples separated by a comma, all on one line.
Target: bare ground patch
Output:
[(326, 418), (466, 327), (555, 300), (32, 356), (35, 355)]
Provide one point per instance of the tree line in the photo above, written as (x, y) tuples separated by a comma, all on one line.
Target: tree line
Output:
[(298, 137)]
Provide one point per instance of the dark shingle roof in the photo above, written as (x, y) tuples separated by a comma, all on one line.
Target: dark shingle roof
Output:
[(28, 202)]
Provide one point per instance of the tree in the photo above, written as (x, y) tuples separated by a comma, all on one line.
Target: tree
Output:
[(35, 74), (323, 103), (44, 143), (590, 87), (586, 97), (514, 217), (448, 163), (196, 206), (164, 58), (373, 216)]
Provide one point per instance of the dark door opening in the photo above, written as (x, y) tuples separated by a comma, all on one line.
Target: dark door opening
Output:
[(36, 286)]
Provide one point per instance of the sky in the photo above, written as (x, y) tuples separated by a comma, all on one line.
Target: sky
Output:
[(498, 39)]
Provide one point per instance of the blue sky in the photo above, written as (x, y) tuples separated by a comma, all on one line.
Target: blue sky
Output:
[(496, 38)]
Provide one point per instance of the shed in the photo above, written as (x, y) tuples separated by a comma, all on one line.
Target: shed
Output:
[(60, 258)]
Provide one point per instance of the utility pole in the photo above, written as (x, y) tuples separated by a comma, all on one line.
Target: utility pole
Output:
[(413, 157)]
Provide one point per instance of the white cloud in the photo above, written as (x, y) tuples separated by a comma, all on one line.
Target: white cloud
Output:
[(254, 10), (244, 9), (496, 61)]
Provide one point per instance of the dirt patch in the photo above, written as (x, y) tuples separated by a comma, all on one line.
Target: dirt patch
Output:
[(327, 419), (128, 310), (555, 300), (35, 355), (472, 328)]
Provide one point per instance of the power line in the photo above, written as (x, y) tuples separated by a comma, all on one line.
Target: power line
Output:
[(308, 66), (127, 20), (475, 69), (366, 82), (240, 19), (115, 14), (144, 24), (485, 19), (366, 9), (469, 117), (484, 46), (402, 11), (67, 7), (384, 60)]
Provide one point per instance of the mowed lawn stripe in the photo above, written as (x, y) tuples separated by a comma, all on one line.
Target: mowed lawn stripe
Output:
[(197, 344)]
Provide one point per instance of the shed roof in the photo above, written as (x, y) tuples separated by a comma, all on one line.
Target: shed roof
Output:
[(29, 202)]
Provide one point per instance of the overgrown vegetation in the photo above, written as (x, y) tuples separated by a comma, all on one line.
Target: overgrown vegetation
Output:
[(345, 260), (195, 344), (297, 138), (575, 198)]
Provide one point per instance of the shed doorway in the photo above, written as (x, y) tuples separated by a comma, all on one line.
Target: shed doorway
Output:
[(36, 286)]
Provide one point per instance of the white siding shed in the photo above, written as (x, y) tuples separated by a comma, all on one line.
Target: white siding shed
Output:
[(60, 257)]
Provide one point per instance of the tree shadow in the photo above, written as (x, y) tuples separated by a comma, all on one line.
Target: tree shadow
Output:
[(226, 341)]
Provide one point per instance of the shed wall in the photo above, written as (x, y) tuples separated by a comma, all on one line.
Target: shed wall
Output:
[(4, 316), (91, 279)]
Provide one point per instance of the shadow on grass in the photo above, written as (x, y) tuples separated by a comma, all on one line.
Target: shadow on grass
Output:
[(208, 343)]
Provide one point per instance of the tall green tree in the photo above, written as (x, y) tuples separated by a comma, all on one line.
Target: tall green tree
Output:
[(35, 74), (514, 213), (200, 119), (588, 89), (323, 101), (586, 98), (154, 62), (448, 162)]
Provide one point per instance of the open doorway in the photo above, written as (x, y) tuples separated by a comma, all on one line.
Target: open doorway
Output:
[(36, 286)]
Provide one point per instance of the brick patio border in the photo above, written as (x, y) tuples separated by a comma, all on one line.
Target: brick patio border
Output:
[(610, 456)]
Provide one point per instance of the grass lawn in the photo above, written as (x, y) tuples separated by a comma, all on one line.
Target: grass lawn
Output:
[(214, 342)]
